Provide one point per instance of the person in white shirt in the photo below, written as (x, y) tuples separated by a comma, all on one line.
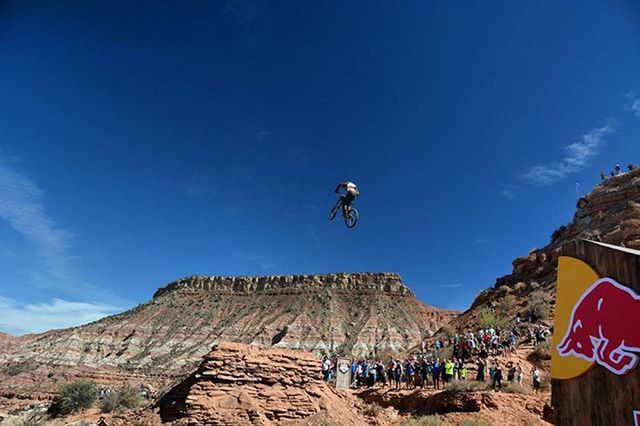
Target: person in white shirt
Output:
[(351, 194)]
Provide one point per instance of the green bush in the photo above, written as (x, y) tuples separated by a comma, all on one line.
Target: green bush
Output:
[(430, 420), (76, 396), (125, 397), (506, 303), (489, 318), (30, 418)]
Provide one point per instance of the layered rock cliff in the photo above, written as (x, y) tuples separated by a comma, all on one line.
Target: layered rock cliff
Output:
[(357, 314), (245, 385)]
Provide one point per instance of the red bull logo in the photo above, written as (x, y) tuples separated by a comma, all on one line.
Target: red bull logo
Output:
[(597, 322), (605, 327)]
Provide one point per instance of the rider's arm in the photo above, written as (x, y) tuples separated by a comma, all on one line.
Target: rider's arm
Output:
[(340, 185)]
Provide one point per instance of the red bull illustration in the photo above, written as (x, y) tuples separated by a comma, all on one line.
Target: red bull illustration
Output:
[(605, 327)]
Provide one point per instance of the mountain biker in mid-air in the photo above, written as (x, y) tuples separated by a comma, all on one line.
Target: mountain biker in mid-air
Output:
[(351, 194)]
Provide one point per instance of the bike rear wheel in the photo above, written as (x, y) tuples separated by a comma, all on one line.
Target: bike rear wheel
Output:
[(352, 218)]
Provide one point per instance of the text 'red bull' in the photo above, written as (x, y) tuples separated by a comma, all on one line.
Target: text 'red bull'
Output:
[(605, 327)]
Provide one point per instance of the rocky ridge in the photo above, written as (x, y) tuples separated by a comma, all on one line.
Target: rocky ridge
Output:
[(609, 213), (164, 339), (245, 385)]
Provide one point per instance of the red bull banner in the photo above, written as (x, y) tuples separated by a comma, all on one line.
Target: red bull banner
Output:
[(597, 322)]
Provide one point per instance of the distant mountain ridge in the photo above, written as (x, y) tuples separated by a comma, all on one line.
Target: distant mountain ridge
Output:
[(359, 314)]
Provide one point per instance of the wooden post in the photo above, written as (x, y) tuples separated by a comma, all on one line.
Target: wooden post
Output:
[(600, 397)]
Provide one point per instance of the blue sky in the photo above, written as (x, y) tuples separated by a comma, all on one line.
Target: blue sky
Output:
[(144, 142)]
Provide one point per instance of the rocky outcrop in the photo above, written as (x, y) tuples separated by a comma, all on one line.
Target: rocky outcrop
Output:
[(244, 385), (362, 283), (165, 338), (609, 213)]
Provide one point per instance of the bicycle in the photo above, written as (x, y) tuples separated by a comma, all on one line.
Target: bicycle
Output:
[(350, 219)]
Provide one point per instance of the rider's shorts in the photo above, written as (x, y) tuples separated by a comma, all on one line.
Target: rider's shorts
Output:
[(348, 197)]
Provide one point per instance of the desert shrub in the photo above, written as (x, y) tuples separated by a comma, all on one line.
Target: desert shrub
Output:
[(469, 421), (504, 288), (430, 420), (490, 318), (122, 398), (75, 396), (538, 305), (506, 303), (519, 286), (372, 410), (327, 422), (461, 386), (446, 352), (514, 387), (448, 331), (30, 418), (542, 352)]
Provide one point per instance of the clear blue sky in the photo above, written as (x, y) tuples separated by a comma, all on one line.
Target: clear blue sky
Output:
[(143, 142)]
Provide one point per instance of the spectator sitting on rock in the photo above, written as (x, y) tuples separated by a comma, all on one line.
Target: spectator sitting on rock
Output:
[(102, 422), (631, 167)]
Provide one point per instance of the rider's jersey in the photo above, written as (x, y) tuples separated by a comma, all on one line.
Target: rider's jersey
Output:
[(350, 186)]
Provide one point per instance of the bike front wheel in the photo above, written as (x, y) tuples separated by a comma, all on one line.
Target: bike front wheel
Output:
[(352, 218), (334, 210)]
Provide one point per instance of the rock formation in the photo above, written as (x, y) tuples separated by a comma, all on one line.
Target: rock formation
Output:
[(245, 385), (609, 213), (164, 339)]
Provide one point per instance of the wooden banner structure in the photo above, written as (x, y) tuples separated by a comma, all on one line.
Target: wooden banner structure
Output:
[(596, 337)]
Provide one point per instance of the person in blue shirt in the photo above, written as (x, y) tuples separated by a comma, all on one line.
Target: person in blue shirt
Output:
[(436, 374), (354, 370)]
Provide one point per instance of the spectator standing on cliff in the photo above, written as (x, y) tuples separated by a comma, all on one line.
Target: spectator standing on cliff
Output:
[(481, 367), (391, 368), (618, 170), (397, 373), (448, 370), (354, 372), (497, 377), (519, 373), (102, 422), (424, 373), (603, 176), (436, 373), (536, 378), (326, 368), (511, 371)]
